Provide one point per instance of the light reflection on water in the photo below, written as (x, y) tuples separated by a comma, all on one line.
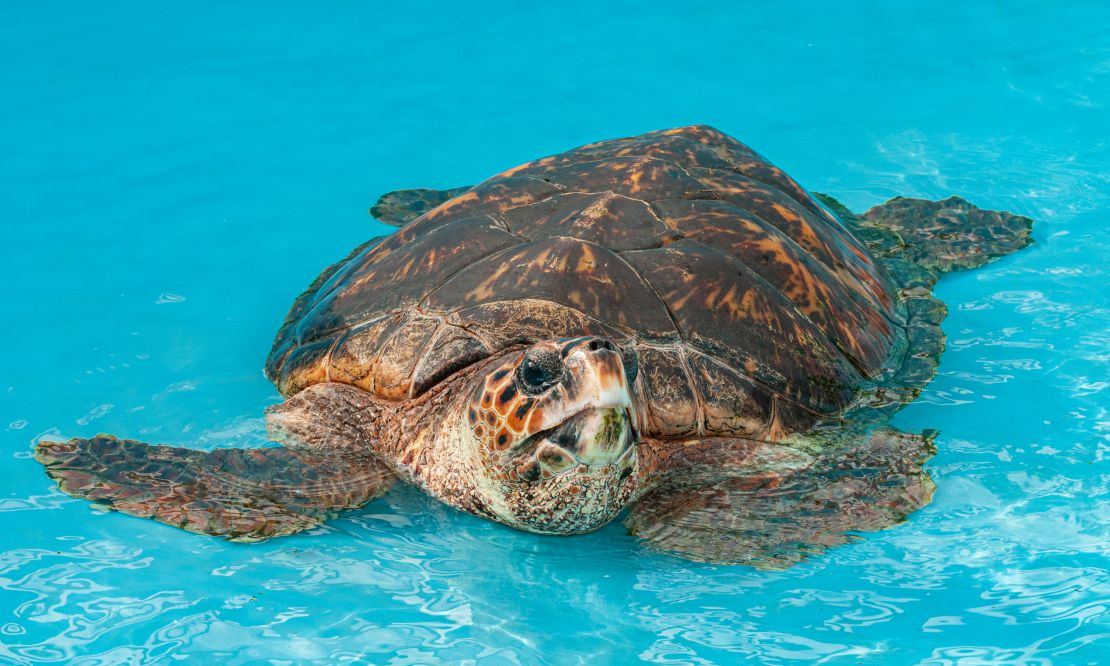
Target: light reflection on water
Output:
[(173, 189)]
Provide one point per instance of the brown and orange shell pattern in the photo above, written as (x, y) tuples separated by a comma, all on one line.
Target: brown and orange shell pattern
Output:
[(751, 309)]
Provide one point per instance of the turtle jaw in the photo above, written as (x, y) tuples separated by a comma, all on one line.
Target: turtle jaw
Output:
[(549, 438), (593, 438), (575, 477)]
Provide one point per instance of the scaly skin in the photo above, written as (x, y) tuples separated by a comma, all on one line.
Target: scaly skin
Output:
[(555, 459)]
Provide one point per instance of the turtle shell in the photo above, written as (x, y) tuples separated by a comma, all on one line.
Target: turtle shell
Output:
[(751, 308)]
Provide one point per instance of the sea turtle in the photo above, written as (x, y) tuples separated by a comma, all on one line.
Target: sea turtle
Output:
[(665, 322)]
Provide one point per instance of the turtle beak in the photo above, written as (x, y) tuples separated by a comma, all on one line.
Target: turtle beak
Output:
[(598, 376), (597, 392), (596, 437)]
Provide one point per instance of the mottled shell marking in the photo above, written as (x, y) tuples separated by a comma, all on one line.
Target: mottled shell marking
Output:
[(752, 310)]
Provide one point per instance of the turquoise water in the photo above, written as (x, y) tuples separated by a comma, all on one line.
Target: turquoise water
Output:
[(172, 176)]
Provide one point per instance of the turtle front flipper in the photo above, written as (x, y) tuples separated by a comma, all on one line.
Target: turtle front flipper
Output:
[(400, 207), (240, 494), (742, 514)]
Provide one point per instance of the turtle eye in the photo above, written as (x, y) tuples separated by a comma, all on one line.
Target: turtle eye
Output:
[(539, 370)]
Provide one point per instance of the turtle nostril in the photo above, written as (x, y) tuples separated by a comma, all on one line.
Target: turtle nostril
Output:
[(598, 343)]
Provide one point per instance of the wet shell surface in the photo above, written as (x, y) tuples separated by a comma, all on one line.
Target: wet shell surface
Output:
[(752, 310)]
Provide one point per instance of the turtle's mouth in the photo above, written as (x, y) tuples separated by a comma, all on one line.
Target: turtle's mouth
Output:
[(596, 438), (576, 476)]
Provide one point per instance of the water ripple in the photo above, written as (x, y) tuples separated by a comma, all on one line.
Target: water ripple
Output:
[(226, 166)]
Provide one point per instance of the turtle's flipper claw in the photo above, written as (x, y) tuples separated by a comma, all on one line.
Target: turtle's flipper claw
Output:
[(239, 494)]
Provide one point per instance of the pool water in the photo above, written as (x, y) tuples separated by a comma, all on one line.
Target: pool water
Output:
[(173, 176)]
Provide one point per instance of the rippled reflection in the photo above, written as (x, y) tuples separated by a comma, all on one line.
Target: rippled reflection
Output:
[(177, 174)]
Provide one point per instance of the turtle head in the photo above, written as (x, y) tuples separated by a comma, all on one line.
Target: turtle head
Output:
[(553, 436)]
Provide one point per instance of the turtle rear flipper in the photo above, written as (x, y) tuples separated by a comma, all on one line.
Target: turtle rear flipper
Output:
[(917, 240), (940, 236), (400, 207), (771, 521), (240, 494)]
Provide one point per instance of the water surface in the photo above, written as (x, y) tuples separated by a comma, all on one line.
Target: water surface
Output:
[(174, 175)]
